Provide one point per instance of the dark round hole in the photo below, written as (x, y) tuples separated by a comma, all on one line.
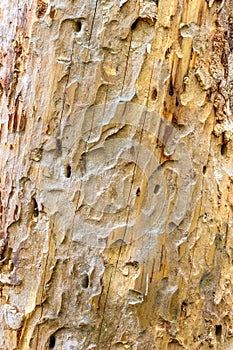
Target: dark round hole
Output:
[(218, 331), (78, 26), (35, 208), (209, 96), (171, 89), (204, 169), (154, 94), (52, 342), (156, 189), (167, 53), (85, 281), (224, 149), (134, 25), (68, 171)]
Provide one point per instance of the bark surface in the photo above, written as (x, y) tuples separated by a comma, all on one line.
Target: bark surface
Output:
[(116, 181)]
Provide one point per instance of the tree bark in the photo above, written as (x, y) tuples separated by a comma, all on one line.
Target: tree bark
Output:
[(116, 174)]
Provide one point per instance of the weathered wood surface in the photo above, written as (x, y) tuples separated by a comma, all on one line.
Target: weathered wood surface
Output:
[(116, 174)]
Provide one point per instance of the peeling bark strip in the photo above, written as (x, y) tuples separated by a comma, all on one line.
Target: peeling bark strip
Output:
[(116, 174)]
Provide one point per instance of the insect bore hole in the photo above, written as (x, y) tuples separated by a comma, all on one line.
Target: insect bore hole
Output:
[(134, 25), (218, 331), (78, 26), (68, 171), (154, 95), (35, 208), (52, 342), (156, 189), (224, 149)]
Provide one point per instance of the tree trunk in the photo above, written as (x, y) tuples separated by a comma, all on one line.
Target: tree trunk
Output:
[(116, 174)]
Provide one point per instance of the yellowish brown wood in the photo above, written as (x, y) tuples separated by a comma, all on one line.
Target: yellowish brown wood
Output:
[(92, 95)]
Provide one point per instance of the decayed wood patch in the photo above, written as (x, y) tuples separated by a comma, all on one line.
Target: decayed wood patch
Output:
[(116, 174)]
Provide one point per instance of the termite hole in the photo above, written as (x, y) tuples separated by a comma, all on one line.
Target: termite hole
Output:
[(154, 94), (224, 149), (156, 189), (218, 331), (52, 342), (134, 25), (68, 171), (78, 26), (35, 208), (171, 89)]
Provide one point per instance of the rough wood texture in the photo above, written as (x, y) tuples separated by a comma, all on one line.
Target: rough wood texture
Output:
[(116, 174)]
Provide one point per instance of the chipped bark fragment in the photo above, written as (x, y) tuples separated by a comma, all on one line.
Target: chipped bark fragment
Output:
[(41, 8), (13, 318)]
